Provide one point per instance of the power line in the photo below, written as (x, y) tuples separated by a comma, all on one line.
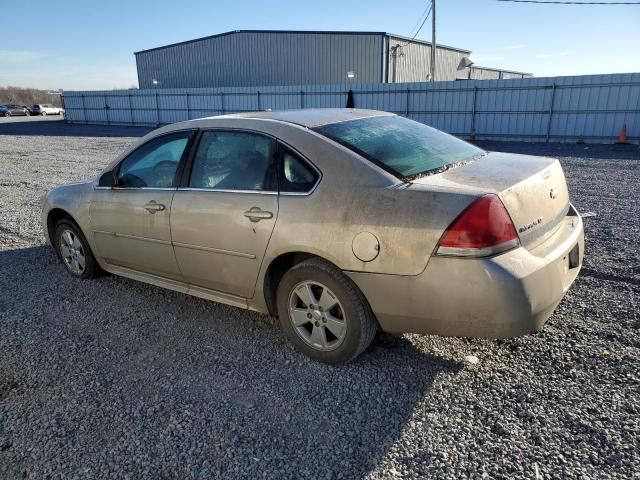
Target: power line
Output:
[(419, 18), (423, 22), (569, 3), (413, 37)]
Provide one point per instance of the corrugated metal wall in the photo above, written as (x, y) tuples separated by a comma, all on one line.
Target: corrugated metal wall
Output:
[(484, 74), (508, 75), (413, 61), (263, 58), (592, 108)]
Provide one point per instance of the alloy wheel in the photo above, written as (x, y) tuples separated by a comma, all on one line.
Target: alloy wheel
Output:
[(317, 315), (72, 252)]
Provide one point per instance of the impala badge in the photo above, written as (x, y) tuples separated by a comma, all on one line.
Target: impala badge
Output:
[(529, 226), (553, 193)]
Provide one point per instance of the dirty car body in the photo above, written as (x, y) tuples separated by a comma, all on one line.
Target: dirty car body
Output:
[(478, 244)]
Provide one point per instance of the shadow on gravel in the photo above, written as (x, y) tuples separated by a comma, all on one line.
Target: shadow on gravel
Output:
[(176, 387), (58, 128), (595, 151)]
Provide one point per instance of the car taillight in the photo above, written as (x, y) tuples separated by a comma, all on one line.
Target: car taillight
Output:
[(483, 228)]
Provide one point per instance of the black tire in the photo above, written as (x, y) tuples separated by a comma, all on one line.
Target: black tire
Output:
[(360, 322), (8, 114), (91, 268), (44, 114)]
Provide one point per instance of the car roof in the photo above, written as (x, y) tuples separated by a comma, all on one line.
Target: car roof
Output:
[(312, 117)]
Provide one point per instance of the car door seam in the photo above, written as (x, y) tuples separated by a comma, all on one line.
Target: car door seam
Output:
[(173, 245)]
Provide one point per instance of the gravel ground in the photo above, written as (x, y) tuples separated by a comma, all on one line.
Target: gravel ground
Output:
[(117, 379)]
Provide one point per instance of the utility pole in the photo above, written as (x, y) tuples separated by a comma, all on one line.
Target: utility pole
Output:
[(395, 53), (433, 40)]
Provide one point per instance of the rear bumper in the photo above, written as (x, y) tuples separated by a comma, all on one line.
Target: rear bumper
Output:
[(498, 297)]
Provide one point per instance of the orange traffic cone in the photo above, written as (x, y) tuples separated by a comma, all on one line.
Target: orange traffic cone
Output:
[(622, 138)]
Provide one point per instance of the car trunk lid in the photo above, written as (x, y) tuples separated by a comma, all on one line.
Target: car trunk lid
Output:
[(533, 190)]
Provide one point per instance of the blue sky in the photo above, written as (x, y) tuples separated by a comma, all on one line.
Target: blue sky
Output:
[(82, 44)]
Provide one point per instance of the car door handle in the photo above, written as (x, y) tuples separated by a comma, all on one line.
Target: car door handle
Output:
[(153, 207), (255, 214)]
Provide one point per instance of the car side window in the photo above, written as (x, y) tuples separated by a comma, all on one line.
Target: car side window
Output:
[(234, 161), (155, 163), (295, 174)]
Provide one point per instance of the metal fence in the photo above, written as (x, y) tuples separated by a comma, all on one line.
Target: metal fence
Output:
[(592, 108)]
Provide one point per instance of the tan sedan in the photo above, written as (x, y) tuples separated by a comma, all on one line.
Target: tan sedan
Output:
[(339, 222)]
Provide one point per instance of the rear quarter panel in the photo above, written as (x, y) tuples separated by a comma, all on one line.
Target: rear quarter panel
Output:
[(355, 196)]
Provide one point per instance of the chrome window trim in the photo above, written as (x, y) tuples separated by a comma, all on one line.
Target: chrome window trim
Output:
[(164, 189), (299, 194), (225, 190)]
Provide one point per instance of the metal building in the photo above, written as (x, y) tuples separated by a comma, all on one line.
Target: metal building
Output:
[(244, 58)]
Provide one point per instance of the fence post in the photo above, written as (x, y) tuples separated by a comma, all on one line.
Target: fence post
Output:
[(157, 111), (106, 110), (130, 109), (407, 104), (188, 107), (258, 93), (549, 118), (301, 98), (473, 114), (63, 107), (222, 106), (84, 109)]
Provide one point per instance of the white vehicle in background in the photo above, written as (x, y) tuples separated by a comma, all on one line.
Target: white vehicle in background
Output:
[(46, 109)]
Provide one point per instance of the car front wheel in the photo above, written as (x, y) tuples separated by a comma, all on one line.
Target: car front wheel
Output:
[(323, 313), (74, 251), (44, 114)]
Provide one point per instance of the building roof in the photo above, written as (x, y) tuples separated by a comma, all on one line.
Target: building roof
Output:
[(303, 32), (503, 70)]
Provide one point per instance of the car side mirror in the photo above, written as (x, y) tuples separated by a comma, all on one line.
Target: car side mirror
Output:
[(108, 179)]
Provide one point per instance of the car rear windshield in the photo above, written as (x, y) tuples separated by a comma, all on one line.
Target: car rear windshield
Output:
[(406, 148)]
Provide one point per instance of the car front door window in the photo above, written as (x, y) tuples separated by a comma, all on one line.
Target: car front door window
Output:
[(154, 165)]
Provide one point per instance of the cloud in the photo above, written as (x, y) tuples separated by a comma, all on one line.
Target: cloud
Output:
[(517, 46)]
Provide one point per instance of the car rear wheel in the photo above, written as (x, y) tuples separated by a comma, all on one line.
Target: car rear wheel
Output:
[(323, 313), (74, 251)]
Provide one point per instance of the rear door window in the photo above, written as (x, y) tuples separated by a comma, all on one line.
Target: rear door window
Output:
[(227, 160)]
